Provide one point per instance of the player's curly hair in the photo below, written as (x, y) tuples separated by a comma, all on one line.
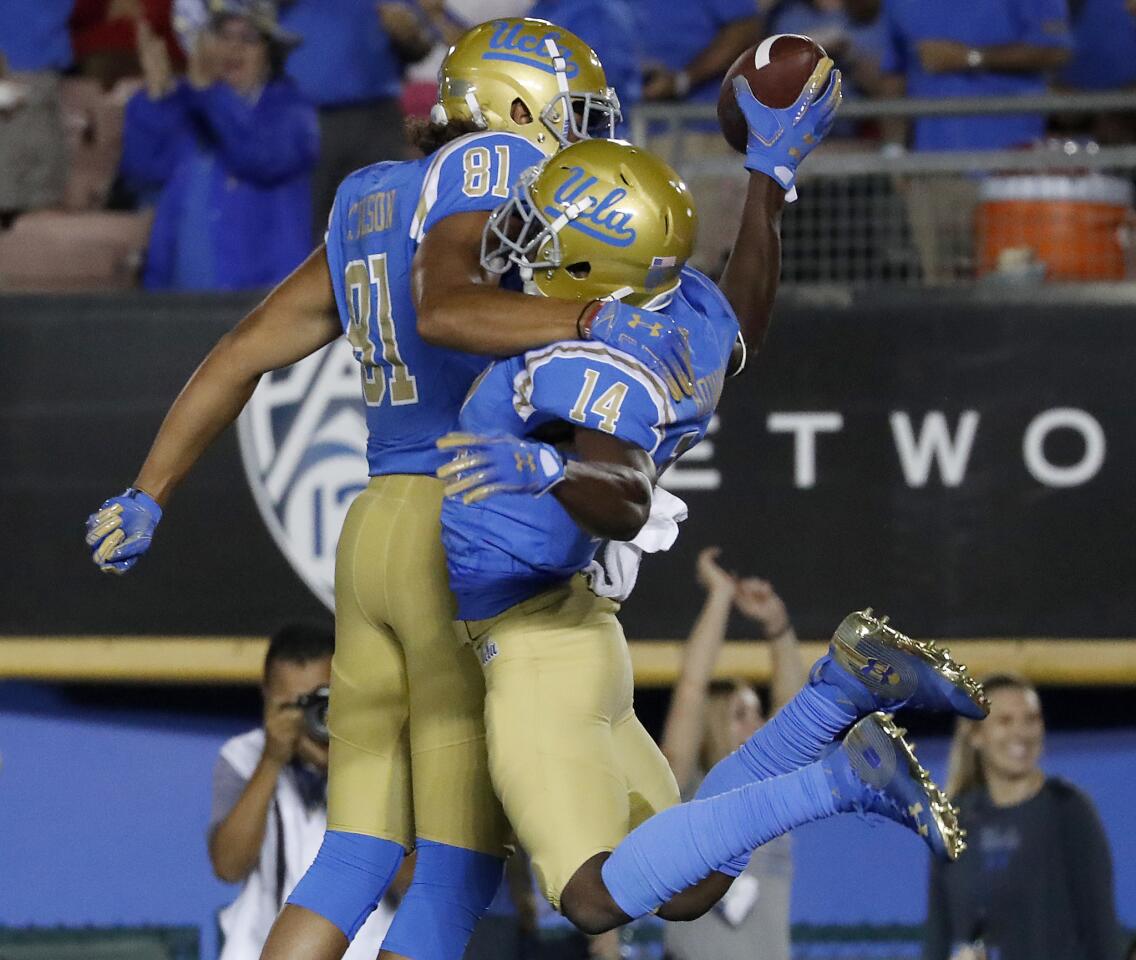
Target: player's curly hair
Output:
[(427, 136)]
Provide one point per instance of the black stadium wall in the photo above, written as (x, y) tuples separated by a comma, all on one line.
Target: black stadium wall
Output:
[(963, 462)]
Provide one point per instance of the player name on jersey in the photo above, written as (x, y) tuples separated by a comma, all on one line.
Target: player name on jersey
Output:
[(373, 213)]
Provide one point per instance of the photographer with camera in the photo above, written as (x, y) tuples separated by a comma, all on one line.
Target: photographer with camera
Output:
[(270, 795)]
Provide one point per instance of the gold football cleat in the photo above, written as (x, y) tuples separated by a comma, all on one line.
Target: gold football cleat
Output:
[(901, 672), (903, 789)]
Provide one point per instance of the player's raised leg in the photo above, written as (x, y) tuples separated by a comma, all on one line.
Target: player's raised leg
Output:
[(874, 770), (869, 666)]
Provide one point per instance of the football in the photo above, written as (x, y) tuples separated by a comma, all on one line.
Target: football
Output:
[(777, 70)]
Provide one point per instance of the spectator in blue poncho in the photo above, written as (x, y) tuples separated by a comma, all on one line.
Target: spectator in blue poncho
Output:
[(227, 152)]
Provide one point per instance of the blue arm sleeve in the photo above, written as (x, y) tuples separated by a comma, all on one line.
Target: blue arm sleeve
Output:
[(472, 173), (154, 135), (592, 386), (271, 141), (1045, 23)]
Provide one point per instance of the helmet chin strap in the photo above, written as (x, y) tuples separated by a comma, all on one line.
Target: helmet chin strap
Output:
[(475, 110), (439, 116), (560, 65), (570, 213)]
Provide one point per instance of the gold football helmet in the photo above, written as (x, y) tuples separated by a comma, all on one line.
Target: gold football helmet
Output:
[(601, 219), (553, 73)]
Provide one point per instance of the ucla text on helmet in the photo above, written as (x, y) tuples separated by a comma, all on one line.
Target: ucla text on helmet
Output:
[(513, 42), (599, 217)]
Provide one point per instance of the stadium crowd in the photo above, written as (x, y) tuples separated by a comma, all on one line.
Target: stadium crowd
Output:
[(196, 144)]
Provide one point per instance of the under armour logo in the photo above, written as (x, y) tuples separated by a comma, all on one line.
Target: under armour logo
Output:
[(881, 672), (655, 328), (525, 460)]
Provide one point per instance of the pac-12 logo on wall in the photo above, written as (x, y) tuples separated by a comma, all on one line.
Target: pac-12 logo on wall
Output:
[(303, 439)]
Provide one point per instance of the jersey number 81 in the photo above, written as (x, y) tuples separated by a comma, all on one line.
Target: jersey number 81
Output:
[(359, 279), (478, 169)]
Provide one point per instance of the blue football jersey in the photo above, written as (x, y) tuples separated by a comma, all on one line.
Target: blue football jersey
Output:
[(412, 390), (510, 547)]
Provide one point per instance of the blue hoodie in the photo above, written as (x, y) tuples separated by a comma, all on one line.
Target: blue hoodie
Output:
[(232, 180)]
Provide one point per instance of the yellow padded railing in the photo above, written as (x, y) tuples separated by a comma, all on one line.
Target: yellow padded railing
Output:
[(237, 660)]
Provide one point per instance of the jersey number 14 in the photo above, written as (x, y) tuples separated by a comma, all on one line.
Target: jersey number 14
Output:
[(368, 294)]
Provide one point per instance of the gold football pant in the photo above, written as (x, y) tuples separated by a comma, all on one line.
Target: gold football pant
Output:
[(408, 754), (572, 764)]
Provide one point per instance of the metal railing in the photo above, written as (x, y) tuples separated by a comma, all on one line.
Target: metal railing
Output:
[(1123, 101), (871, 215)]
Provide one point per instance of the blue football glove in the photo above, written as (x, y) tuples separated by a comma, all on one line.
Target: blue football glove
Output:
[(780, 139), (653, 339), (483, 466), (119, 532)]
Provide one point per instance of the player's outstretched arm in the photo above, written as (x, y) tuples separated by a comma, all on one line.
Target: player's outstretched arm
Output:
[(779, 139), (294, 320), (753, 270), (607, 491), (460, 307)]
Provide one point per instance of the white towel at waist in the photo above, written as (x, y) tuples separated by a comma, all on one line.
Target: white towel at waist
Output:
[(615, 568)]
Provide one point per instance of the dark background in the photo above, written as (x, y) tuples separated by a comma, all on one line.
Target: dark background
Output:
[(84, 382)]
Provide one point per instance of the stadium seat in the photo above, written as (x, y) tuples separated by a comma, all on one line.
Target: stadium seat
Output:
[(57, 251)]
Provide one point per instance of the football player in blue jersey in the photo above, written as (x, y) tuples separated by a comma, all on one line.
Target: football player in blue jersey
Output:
[(408, 762), (561, 447)]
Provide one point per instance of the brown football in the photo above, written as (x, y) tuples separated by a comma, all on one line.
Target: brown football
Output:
[(777, 70)]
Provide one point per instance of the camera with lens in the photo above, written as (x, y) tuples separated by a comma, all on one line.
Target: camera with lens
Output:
[(314, 707)]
